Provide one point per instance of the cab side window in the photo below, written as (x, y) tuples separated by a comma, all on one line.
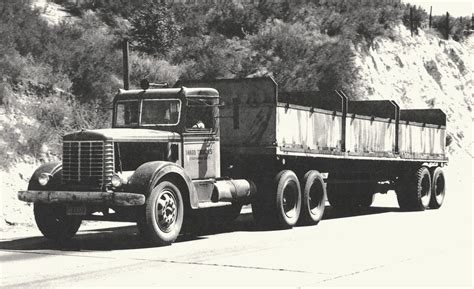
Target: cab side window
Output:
[(200, 115)]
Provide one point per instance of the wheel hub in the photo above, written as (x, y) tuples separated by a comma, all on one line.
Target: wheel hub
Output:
[(290, 197), (166, 211)]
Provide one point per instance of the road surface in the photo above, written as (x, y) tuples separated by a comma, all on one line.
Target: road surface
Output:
[(378, 247)]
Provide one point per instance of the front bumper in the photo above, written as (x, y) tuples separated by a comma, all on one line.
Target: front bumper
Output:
[(95, 198)]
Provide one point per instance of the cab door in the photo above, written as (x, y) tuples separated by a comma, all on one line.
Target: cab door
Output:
[(201, 144)]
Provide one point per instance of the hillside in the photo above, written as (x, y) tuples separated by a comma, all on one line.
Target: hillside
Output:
[(68, 84), (423, 72)]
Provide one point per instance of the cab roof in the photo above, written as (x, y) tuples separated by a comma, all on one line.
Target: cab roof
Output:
[(167, 92)]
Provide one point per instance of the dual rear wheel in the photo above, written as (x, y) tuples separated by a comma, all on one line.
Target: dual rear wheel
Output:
[(420, 189), (283, 202)]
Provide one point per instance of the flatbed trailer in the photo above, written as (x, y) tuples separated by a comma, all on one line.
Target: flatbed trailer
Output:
[(358, 147)]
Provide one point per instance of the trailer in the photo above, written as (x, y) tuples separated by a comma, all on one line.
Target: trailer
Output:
[(176, 157)]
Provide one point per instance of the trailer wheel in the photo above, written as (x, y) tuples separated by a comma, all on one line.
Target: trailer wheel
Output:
[(414, 190), (278, 204), (163, 216), (53, 222), (438, 188), (313, 198)]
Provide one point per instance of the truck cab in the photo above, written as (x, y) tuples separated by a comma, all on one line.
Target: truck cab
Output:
[(159, 161), (188, 120)]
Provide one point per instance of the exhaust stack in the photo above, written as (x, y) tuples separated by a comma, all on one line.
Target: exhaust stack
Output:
[(126, 72)]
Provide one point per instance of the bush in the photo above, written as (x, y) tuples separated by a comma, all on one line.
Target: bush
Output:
[(455, 28), (302, 59), (232, 20), (22, 28), (212, 56), (419, 17), (143, 66), (192, 19), (154, 29)]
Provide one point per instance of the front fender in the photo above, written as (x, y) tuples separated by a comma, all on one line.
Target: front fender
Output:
[(52, 168), (148, 175)]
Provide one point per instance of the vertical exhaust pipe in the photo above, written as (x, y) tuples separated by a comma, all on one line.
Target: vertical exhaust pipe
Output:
[(126, 71)]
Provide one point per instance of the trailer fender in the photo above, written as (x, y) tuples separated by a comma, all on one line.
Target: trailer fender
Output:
[(52, 168), (149, 175)]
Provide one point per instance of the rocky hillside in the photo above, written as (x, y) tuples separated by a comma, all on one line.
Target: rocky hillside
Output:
[(423, 71)]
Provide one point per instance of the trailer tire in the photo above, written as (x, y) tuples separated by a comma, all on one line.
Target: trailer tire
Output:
[(438, 188), (414, 190), (313, 198), (53, 222), (278, 205), (163, 215)]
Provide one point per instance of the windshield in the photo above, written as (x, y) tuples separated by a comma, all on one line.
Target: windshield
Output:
[(126, 113), (160, 111), (163, 112)]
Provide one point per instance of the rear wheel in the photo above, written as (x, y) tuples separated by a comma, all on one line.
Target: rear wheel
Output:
[(414, 190), (163, 216), (438, 188), (53, 222), (313, 198), (278, 203)]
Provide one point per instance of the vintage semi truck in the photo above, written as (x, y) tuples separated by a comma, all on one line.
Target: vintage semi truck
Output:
[(210, 147)]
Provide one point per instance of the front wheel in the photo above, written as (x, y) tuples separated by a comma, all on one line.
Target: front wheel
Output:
[(53, 222), (163, 214)]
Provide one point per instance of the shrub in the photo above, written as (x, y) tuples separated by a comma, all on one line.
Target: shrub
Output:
[(154, 29), (232, 20), (419, 17), (143, 66), (192, 19), (212, 56), (302, 59)]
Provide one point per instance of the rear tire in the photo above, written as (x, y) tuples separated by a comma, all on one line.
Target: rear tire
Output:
[(313, 199), (278, 204), (438, 188), (53, 222), (414, 190), (163, 216)]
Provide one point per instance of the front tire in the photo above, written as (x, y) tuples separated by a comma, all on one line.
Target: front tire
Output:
[(163, 215), (313, 199), (53, 222)]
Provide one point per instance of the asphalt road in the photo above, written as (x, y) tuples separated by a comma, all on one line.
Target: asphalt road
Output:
[(378, 247)]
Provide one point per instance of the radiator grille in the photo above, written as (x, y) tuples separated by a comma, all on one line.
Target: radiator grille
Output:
[(86, 163)]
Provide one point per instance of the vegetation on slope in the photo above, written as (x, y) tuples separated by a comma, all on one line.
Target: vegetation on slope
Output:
[(63, 77)]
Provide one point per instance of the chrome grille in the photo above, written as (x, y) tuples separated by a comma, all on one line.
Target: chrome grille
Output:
[(109, 162), (83, 163)]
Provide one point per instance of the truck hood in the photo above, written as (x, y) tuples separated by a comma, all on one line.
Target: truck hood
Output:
[(123, 135)]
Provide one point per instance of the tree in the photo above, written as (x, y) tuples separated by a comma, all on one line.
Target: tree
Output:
[(154, 29)]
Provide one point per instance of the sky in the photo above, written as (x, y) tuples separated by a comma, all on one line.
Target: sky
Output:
[(455, 8)]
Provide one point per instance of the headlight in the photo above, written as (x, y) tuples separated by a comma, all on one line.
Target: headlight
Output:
[(43, 179), (116, 181)]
